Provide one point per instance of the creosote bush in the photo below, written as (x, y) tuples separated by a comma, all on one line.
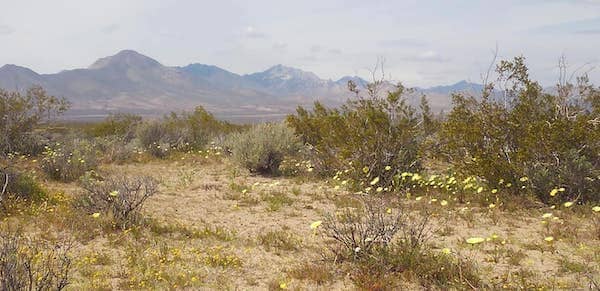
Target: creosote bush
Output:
[(27, 264), (527, 135), (185, 131), (118, 197), (262, 148), (120, 125), (21, 114), (371, 133)]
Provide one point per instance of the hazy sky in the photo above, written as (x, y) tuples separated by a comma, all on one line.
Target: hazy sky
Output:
[(423, 42)]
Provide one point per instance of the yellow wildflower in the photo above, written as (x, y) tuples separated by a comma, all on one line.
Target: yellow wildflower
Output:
[(375, 181), (316, 224), (475, 240)]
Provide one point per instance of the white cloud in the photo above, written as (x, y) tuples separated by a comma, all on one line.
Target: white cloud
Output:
[(427, 56), (316, 49), (5, 29), (280, 46), (335, 51), (251, 32)]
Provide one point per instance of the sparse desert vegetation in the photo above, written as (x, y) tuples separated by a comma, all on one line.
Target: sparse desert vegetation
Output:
[(502, 192)]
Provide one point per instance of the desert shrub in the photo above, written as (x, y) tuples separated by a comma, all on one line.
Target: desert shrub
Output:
[(117, 150), (527, 137), (429, 131), (358, 232), (118, 197), (262, 148), (19, 186), (368, 137), (120, 125), (378, 244), (185, 131), (154, 137), (21, 114), (70, 160), (27, 264), (383, 269)]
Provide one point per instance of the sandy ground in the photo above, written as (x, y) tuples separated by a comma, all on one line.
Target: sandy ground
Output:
[(218, 196)]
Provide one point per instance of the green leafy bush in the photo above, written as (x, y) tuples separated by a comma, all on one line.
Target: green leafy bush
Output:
[(21, 186), (21, 114), (68, 161), (367, 138), (185, 131), (262, 148), (527, 137), (120, 125)]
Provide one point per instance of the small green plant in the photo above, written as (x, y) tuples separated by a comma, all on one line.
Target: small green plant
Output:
[(280, 240), (276, 200), (380, 270), (219, 257), (318, 273), (15, 185)]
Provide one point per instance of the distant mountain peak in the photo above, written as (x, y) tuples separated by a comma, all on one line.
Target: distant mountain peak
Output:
[(15, 68), (284, 73), (459, 86), (128, 58), (356, 79)]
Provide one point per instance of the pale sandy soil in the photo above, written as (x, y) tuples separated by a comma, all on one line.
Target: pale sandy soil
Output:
[(196, 195)]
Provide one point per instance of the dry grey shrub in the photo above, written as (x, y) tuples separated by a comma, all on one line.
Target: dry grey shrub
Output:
[(262, 148), (27, 264), (359, 232), (119, 197)]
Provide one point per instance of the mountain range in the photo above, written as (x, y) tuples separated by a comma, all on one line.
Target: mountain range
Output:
[(132, 82)]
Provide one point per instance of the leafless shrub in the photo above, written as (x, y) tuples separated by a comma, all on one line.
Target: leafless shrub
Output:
[(358, 232), (119, 197), (27, 264)]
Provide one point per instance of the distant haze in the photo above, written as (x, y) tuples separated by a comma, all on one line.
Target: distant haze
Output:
[(424, 43)]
